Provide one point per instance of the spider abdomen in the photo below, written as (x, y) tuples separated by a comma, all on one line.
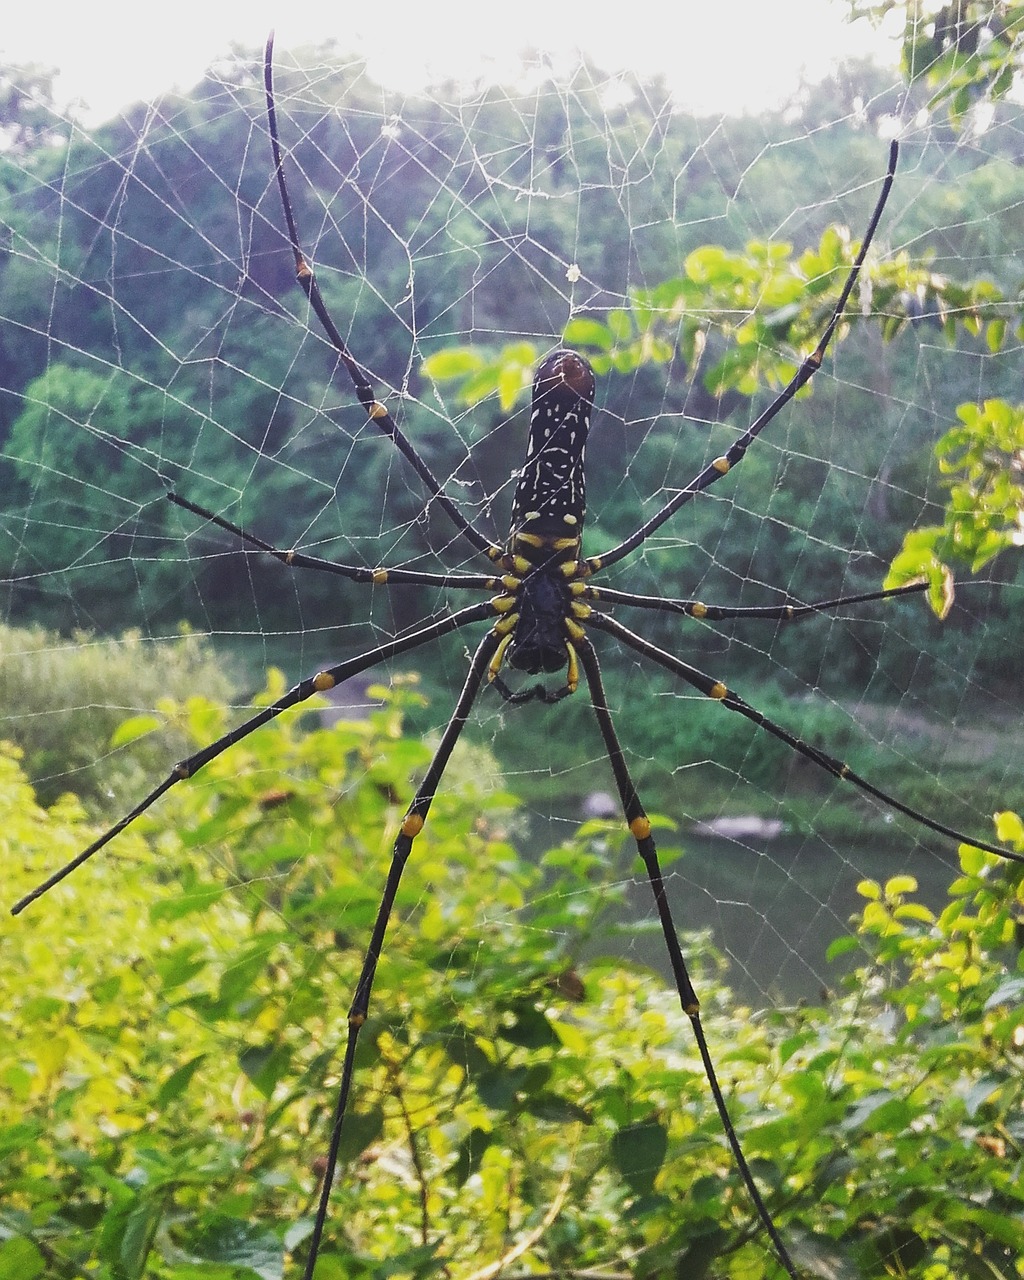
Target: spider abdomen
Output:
[(550, 500)]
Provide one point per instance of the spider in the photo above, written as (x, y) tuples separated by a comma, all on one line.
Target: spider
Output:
[(541, 609)]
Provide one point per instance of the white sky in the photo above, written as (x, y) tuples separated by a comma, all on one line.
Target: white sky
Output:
[(716, 54)]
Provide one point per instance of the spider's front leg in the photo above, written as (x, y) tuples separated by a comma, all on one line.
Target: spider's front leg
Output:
[(412, 825)]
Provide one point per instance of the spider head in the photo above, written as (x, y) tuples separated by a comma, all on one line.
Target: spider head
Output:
[(563, 377)]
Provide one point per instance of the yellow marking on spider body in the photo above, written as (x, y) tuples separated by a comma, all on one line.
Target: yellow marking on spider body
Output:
[(721, 465), (570, 519), (718, 691), (572, 675), (640, 828), (412, 825), (530, 539), (505, 626), (564, 544), (494, 666), (323, 680)]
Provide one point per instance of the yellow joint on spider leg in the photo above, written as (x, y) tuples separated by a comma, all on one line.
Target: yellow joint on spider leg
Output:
[(698, 610), (574, 629), (572, 675), (380, 575), (578, 588), (640, 828), (323, 680), (505, 626), (718, 691), (412, 825), (511, 582), (721, 465), (356, 1019), (580, 610), (502, 604), (377, 410), (494, 666)]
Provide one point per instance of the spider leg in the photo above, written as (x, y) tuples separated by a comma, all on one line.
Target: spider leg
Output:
[(717, 613), (412, 825), (640, 828), (318, 683), (810, 366), (356, 573), (375, 410), (830, 764)]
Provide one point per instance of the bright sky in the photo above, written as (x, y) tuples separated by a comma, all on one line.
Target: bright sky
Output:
[(114, 52)]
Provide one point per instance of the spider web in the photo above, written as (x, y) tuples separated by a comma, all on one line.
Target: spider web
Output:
[(153, 338)]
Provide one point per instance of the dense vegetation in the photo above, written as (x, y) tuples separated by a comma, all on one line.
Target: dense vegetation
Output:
[(165, 1094), (144, 348)]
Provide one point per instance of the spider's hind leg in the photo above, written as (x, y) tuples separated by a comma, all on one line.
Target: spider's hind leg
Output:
[(640, 828)]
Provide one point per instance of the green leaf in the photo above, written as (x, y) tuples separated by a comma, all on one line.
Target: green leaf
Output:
[(250, 1251), (139, 1231), (638, 1151), (470, 1153), (453, 362), (20, 1260), (265, 1065), (132, 729), (178, 1081), (530, 1029)]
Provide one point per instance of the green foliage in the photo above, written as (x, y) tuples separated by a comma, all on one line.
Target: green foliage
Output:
[(984, 512), (66, 700), (758, 313), (963, 51), (173, 1016)]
